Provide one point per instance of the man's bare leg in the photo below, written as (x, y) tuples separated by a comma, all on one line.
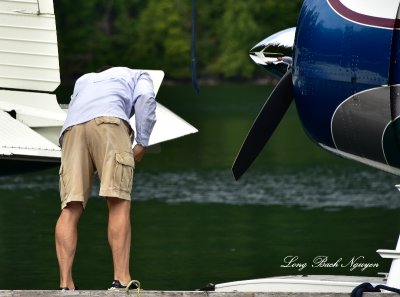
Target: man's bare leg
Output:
[(66, 240), (119, 237)]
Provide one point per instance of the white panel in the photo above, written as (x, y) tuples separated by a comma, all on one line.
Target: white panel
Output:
[(382, 9), (18, 139), (33, 109), (27, 6), (28, 46), (168, 126), (46, 6), (39, 111), (14, 45)]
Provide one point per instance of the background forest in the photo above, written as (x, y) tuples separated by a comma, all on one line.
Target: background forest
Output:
[(156, 34)]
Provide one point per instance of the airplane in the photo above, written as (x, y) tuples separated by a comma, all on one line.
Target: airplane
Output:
[(30, 116), (340, 66)]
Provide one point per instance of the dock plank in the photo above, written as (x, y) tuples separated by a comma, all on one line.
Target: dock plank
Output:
[(147, 293)]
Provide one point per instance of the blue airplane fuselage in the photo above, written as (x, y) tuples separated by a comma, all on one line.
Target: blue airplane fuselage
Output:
[(345, 76)]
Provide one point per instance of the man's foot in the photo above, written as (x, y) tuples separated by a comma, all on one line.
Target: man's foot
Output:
[(116, 285), (67, 289)]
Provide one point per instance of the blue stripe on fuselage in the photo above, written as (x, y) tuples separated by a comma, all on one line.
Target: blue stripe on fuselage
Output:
[(334, 58)]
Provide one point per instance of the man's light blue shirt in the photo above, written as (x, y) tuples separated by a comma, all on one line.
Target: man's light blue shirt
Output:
[(119, 92)]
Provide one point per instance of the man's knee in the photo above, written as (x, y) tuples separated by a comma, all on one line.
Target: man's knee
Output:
[(74, 206), (119, 207), (72, 210), (114, 201)]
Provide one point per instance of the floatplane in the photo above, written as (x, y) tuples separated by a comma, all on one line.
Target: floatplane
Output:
[(30, 116), (341, 66)]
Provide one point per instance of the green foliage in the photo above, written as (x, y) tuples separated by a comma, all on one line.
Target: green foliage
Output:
[(156, 34), (162, 38), (237, 35)]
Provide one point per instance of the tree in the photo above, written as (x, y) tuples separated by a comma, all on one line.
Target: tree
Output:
[(237, 34), (156, 34), (163, 38)]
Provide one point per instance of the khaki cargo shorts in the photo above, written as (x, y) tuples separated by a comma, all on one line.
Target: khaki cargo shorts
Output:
[(103, 145)]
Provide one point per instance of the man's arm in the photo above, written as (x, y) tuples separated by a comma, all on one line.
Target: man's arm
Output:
[(145, 113)]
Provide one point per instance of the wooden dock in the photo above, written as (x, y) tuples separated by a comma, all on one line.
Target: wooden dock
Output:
[(146, 293)]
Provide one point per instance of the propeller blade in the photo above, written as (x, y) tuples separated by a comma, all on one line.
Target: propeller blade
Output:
[(265, 124)]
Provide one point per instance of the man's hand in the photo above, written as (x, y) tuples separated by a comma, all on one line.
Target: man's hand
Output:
[(138, 152)]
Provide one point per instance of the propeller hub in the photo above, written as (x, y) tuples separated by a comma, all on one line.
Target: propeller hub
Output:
[(274, 53)]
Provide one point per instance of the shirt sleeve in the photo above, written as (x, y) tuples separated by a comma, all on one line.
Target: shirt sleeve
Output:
[(145, 108)]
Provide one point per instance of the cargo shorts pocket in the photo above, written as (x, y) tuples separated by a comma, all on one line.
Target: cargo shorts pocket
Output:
[(123, 174)]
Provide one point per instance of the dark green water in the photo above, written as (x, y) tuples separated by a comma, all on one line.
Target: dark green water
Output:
[(193, 224)]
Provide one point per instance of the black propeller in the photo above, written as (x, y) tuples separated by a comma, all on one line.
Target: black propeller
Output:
[(265, 124)]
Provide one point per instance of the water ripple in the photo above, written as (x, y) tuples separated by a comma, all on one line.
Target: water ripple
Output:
[(309, 188)]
